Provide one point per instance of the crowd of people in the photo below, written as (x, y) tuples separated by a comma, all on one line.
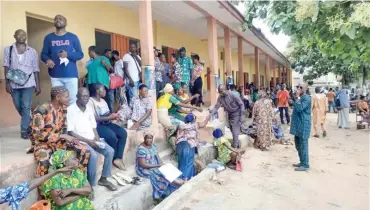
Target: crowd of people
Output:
[(67, 132)]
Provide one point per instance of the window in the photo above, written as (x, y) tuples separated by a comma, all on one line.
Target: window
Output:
[(103, 41)]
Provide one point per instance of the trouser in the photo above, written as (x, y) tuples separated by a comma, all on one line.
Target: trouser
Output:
[(301, 145), (114, 136), (331, 105), (70, 83), (109, 98), (197, 89), (158, 87), (316, 127), (132, 91), (281, 110), (22, 100), (108, 153), (234, 122), (343, 118)]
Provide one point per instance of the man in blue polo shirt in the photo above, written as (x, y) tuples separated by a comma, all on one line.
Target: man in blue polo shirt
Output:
[(60, 52)]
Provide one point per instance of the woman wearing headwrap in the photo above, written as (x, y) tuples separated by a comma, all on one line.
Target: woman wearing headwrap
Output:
[(263, 113), (48, 131), (225, 153), (147, 164), (186, 141), (67, 190)]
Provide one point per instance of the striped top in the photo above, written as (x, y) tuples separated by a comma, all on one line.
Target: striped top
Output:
[(27, 62)]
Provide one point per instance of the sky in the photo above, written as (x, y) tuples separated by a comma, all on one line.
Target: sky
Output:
[(280, 41)]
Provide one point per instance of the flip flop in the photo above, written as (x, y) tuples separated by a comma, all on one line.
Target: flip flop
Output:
[(124, 177), (119, 180)]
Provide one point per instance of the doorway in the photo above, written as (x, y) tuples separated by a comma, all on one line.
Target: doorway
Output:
[(37, 30)]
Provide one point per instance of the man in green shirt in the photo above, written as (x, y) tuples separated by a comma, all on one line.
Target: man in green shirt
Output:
[(98, 72)]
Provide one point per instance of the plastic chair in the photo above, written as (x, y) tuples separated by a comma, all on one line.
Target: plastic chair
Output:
[(41, 205)]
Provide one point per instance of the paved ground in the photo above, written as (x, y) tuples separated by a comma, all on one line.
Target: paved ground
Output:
[(338, 179)]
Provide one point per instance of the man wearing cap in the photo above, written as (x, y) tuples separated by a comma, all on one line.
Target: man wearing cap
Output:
[(186, 66)]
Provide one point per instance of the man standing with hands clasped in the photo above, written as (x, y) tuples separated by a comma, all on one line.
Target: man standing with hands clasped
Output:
[(301, 126), (60, 52)]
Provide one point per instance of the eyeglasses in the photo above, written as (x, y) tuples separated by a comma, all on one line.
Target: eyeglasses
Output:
[(299, 87)]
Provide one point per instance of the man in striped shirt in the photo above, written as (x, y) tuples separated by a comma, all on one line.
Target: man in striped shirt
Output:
[(22, 57)]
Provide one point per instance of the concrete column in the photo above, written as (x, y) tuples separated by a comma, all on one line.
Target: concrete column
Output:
[(240, 63), (227, 57), (284, 74), (147, 56), (257, 66), (267, 73), (213, 57), (274, 73), (279, 73)]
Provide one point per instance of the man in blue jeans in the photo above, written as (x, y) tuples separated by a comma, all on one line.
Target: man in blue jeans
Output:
[(301, 126), (19, 56), (82, 125), (60, 52)]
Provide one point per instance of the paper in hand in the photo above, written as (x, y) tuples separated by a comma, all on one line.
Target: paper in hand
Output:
[(64, 60), (170, 172)]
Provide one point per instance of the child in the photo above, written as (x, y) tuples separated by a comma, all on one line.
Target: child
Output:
[(226, 154)]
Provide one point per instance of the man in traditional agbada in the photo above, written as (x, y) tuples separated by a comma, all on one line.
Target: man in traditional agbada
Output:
[(319, 110)]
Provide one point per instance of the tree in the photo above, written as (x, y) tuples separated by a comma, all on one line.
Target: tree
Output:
[(338, 30)]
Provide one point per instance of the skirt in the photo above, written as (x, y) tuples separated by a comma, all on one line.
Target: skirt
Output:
[(186, 156)]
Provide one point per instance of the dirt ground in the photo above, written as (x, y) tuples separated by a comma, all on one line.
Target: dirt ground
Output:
[(338, 178)]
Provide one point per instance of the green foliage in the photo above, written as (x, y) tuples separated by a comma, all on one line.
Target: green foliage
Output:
[(327, 36)]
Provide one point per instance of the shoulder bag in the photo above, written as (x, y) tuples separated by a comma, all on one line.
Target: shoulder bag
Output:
[(138, 68), (17, 76)]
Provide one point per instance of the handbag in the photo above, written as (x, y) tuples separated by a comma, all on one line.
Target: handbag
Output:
[(138, 68), (116, 81), (17, 76)]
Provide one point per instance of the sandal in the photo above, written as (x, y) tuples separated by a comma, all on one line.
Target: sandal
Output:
[(324, 134), (119, 180), (137, 181), (127, 179), (316, 136), (108, 185)]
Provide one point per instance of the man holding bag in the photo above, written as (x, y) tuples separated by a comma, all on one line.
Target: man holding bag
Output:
[(21, 65), (132, 69)]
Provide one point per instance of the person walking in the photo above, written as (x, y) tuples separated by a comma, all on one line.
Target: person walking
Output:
[(234, 106), (60, 52), (343, 108), (331, 97), (20, 57), (319, 110), (283, 104), (301, 126), (132, 69)]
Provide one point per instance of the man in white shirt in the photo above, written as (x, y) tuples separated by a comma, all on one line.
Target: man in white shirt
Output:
[(132, 69), (82, 125)]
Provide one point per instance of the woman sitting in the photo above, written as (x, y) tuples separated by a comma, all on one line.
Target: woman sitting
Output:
[(183, 97), (69, 190), (262, 117), (147, 164), (364, 109), (114, 135), (186, 142), (168, 105), (225, 153)]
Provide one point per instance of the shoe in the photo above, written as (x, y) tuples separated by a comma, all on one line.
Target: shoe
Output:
[(301, 168), (296, 165), (24, 135), (316, 136), (324, 134)]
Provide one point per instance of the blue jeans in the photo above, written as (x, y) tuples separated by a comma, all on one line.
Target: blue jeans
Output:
[(132, 91), (115, 136), (109, 98), (331, 104), (301, 145), (108, 154), (282, 109), (70, 83), (22, 100)]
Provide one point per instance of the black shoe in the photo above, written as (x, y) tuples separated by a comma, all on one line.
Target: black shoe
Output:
[(24, 135), (324, 134), (296, 165)]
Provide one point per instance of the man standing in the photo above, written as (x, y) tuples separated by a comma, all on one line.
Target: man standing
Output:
[(21, 57), (82, 125), (343, 108), (319, 109), (234, 107), (283, 104), (132, 69), (301, 126), (331, 97), (60, 52), (141, 106), (186, 64)]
